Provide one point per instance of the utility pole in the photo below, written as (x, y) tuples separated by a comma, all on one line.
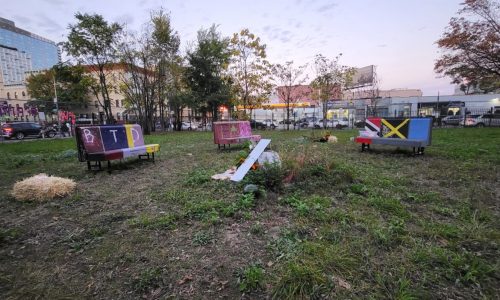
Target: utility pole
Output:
[(57, 106)]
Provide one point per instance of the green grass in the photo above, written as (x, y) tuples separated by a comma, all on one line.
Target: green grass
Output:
[(332, 222)]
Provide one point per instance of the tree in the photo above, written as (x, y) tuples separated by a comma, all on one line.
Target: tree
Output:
[(72, 84), (148, 58), (206, 72), (249, 69), (92, 42), (179, 94), (331, 79), (287, 78), (167, 42), (472, 47)]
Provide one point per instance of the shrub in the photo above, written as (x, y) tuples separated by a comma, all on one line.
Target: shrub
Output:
[(251, 278)]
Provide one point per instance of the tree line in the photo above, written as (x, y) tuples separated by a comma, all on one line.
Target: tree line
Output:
[(157, 82)]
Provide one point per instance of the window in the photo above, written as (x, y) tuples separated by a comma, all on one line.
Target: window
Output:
[(117, 102), (24, 94), (15, 95), (8, 95)]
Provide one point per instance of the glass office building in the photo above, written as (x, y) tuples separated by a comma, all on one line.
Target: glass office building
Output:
[(43, 52), (14, 65)]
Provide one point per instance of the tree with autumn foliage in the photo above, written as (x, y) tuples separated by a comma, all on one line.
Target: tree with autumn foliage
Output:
[(249, 69), (332, 78), (288, 78), (471, 47)]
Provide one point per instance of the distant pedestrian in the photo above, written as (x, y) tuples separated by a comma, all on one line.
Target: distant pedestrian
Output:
[(65, 129)]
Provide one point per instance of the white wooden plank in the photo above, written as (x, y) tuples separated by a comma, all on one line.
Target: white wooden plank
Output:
[(250, 160)]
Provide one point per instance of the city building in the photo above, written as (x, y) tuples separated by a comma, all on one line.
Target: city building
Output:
[(21, 53), (43, 52), (14, 65), (115, 74)]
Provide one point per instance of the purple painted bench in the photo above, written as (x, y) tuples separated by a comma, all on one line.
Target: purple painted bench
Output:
[(233, 132), (106, 143)]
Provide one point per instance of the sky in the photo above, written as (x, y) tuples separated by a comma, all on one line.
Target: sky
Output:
[(397, 36)]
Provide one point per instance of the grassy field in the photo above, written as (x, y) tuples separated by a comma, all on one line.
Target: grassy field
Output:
[(331, 223)]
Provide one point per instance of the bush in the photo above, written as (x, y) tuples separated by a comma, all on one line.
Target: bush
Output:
[(271, 177)]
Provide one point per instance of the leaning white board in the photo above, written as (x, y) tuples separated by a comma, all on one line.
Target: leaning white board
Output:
[(251, 159)]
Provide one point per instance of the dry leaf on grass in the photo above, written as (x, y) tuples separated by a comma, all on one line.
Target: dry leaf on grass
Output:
[(342, 282), (185, 279)]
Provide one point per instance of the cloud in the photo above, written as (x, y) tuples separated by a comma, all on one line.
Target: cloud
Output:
[(48, 25), (275, 33), (382, 45), (326, 8), (304, 42), (55, 2), (23, 20), (295, 23)]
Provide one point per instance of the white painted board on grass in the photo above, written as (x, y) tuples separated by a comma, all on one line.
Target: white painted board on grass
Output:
[(250, 160)]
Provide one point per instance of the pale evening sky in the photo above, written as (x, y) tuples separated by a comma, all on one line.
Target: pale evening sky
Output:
[(397, 36)]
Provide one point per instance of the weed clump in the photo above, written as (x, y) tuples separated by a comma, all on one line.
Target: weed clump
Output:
[(251, 278), (300, 281), (148, 279), (202, 238)]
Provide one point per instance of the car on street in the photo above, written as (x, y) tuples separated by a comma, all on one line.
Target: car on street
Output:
[(359, 123), (333, 123), (285, 121), (20, 130), (485, 120), (270, 123), (307, 122), (189, 126), (452, 120), (473, 120), (257, 124)]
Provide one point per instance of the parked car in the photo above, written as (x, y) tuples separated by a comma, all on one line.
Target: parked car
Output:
[(307, 122), (486, 120), (473, 120), (20, 130), (333, 123), (359, 123), (205, 126), (285, 121), (270, 123), (257, 124), (452, 120), (188, 126)]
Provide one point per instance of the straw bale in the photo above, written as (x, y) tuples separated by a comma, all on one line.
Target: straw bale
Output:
[(42, 187)]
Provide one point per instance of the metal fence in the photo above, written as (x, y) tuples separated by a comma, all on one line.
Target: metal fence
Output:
[(450, 117)]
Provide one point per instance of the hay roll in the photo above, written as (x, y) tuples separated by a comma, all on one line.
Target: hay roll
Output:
[(42, 187)]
